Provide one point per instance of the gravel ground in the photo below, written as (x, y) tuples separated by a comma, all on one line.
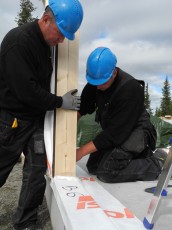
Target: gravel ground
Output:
[(9, 194)]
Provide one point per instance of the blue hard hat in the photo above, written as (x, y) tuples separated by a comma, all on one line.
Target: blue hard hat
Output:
[(100, 66), (68, 16)]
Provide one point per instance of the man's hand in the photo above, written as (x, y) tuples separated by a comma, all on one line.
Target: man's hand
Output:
[(70, 101), (85, 150), (79, 155)]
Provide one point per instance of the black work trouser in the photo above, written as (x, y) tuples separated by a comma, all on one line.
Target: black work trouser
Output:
[(26, 138), (110, 169), (132, 161)]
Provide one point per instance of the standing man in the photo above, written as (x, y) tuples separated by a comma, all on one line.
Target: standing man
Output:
[(123, 150), (25, 73)]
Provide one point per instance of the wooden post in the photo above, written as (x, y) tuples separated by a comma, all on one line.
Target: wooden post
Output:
[(66, 121)]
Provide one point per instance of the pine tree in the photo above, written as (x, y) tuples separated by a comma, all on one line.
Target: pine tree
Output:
[(171, 108), (157, 112), (147, 100), (165, 106), (25, 14)]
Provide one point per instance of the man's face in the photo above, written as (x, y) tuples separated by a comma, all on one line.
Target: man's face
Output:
[(106, 85), (52, 34)]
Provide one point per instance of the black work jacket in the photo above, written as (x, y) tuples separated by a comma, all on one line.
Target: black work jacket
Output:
[(118, 109), (25, 73)]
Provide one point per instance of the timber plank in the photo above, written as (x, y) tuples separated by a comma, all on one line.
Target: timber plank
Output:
[(66, 121)]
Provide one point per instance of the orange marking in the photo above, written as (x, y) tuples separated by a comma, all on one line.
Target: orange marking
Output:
[(128, 213), (86, 202), (49, 167), (87, 178), (114, 214)]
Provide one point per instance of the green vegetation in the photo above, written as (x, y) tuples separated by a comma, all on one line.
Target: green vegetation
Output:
[(147, 100), (165, 103), (25, 14)]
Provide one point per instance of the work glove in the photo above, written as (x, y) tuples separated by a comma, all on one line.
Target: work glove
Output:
[(70, 101)]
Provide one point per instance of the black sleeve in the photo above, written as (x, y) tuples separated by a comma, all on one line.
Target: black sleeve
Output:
[(124, 113), (23, 83), (88, 100)]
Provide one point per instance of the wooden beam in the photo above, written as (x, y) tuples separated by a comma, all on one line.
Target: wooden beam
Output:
[(66, 121)]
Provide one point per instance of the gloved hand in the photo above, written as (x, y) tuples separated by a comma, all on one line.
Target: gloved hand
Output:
[(70, 101)]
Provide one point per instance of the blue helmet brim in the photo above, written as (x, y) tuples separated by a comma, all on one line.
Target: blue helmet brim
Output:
[(67, 35), (97, 81)]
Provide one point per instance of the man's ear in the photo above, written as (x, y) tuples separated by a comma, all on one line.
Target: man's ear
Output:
[(46, 18)]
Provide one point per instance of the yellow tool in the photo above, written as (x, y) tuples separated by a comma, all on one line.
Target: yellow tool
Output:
[(15, 123)]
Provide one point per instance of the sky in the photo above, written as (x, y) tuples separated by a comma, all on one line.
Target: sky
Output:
[(139, 33)]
